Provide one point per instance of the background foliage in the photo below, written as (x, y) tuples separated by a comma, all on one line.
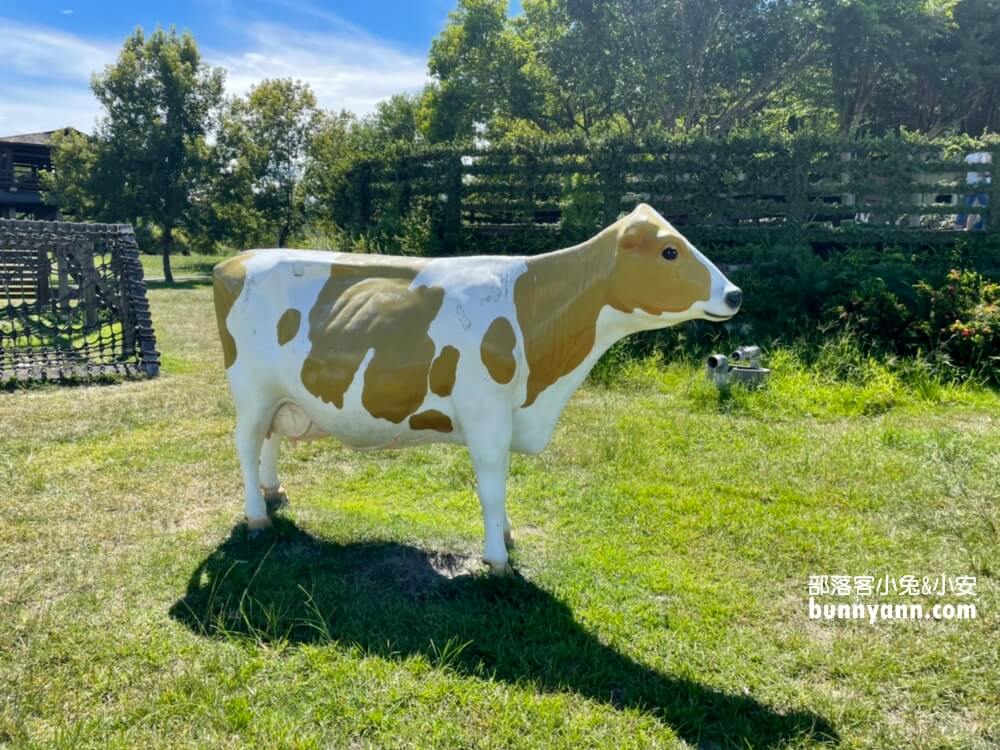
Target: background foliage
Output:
[(807, 144), (147, 162)]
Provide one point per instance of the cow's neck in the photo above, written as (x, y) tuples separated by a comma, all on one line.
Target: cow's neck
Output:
[(559, 301)]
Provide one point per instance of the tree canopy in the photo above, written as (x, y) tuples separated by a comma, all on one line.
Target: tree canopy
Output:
[(172, 153), (261, 151), (149, 153), (714, 65)]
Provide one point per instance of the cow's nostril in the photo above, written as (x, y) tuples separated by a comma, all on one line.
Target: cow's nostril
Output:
[(734, 298)]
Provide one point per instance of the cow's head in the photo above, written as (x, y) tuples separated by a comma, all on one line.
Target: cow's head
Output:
[(661, 278)]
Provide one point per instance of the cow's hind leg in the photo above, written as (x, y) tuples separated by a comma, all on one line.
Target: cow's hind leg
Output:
[(274, 493)]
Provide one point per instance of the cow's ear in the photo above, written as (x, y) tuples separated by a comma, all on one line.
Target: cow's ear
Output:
[(638, 235)]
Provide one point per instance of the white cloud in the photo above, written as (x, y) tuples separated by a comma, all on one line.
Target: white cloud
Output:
[(41, 52), (47, 71), (46, 81), (34, 108), (347, 69)]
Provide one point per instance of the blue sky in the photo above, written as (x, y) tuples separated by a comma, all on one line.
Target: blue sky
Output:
[(353, 54)]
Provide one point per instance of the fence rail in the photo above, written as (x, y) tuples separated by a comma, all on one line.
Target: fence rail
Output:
[(889, 188), (28, 182)]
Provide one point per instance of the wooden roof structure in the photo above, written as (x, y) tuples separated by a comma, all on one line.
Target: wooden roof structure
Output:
[(23, 159), (35, 139)]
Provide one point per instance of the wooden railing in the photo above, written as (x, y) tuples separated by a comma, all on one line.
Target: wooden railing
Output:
[(730, 191), (23, 182)]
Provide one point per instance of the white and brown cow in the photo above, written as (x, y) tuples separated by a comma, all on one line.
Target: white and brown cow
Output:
[(385, 351)]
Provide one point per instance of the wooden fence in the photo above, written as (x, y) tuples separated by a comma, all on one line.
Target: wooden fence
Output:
[(525, 198)]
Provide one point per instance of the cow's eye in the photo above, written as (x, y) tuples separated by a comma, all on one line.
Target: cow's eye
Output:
[(670, 253)]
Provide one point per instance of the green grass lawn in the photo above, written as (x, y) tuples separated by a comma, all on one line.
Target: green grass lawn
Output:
[(664, 545), (181, 265)]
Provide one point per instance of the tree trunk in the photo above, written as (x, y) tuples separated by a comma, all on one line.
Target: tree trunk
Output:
[(168, 242)]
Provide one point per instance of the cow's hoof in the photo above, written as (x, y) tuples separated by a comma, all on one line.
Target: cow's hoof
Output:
[(258, 526), (500, 570), (275, 498), (508, 539)]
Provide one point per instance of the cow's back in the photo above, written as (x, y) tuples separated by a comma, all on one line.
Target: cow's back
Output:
[(290, 284)]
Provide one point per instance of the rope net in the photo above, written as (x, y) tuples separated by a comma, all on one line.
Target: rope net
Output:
[(72, 302)]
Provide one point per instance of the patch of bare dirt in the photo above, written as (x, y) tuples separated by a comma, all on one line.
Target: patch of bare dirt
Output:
[(414, 572)]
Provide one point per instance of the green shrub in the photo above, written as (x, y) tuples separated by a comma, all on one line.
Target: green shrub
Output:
[(963, 320), (322, 236), (889, 304), (838, 378), (416, 231), (874, 312)]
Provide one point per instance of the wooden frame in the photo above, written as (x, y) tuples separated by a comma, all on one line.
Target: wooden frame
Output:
[(63, 284)]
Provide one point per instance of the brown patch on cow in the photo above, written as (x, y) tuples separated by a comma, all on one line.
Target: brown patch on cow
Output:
[(497, 350), (369, 305), (431, 419), (227, 283), (288, 325), (558, 300), (443, 371), (560, 296)]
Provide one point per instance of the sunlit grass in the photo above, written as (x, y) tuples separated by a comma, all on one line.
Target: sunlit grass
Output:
[(665, 542), (182, 266)]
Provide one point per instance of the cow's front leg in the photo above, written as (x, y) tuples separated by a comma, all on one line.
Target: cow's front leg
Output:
[(249, 442), (491, 485), (490, 459)]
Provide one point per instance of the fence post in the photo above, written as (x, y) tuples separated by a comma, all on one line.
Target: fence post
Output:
[(88, 290), (451, 229), (797, 189), (993, 215), (403, 187), (360, 178), (847, 199), (62, 269), (610, 171), (43, 272), (121, 276)]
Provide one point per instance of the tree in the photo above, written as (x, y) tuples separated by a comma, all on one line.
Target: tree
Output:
[(630, 65), (262, 146), (75, 184), (976, 84), (396, 119), (148, 156), (869, 43), (335, 148), (951, 79), (481, 70)]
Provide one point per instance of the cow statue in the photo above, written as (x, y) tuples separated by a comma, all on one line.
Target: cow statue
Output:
[(386, 352)]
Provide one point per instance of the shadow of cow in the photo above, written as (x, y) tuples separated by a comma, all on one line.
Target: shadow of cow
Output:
[(396, 601)]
